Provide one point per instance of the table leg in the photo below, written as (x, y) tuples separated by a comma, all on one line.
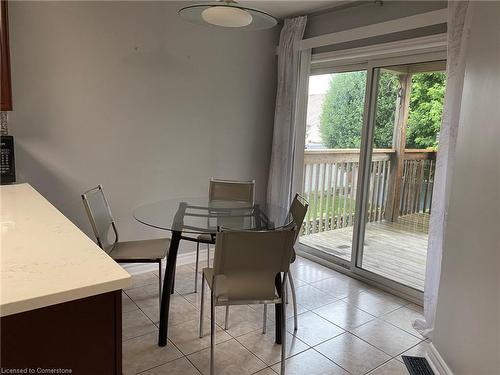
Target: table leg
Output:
[(277, 309), (168, 283)]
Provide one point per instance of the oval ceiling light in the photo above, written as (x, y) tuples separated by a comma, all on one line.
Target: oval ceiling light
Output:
[(227, 14)]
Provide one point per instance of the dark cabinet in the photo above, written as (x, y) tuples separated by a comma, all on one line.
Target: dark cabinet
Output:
[(84, 335), (5, 82)]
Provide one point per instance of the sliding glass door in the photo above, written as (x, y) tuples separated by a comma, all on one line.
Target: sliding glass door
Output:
[(331, 161), (368, 172), (404, 122)]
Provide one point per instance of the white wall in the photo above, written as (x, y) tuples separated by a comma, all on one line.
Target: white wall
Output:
[(467, 328), (128, 95), (367, 13)]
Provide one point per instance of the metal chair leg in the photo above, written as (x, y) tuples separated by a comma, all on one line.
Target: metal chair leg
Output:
[(202, 307), (286, 296), (196, 268), (294, 301), (208, 255), (283, 327), (264, 320), (226, 318), (212, 334)]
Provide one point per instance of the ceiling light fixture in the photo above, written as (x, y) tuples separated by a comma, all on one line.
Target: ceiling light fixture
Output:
[(227, 14)]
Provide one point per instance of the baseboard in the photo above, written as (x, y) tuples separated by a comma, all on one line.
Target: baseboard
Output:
[(437, 362), (182, 259)]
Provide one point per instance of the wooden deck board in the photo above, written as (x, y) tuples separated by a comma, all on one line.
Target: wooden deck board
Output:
[(397, 251)]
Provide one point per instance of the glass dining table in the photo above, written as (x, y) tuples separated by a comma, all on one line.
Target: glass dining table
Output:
[(186, 218)]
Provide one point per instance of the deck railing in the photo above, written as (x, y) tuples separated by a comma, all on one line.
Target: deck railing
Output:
[(331, 178)]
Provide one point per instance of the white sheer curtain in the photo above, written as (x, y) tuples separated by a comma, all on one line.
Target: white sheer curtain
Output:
[(458, 30), (279, 188)]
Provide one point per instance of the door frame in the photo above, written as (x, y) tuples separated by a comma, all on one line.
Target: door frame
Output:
[(424, 50)]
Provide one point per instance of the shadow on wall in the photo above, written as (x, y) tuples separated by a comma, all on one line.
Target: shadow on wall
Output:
[(51, 186)]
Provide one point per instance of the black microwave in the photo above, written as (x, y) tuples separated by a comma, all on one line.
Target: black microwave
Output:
[(7, 166)]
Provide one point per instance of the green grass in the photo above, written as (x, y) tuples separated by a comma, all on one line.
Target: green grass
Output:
[(316, 202)]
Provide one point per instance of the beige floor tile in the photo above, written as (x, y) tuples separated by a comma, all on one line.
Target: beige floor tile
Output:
[(312, 298), (301, 261), (195, 298), (142, 353), (180, 311), (179, 366), (375, 303), (296, 282), (231, 358), (127, 304), (266, 371), (341, 286), (264, 346), (393, 367), (185, 336), (416, 308), (242, 319), (352, 354), (185, 268), (184, 282), (386, 337), (310, 362), (404, 318), (313, 329), (419, 350), (146, 297), (142, 279), (312, 273), (392, 333), (344, 315), (388, 296), (136, 323), (271, 312)]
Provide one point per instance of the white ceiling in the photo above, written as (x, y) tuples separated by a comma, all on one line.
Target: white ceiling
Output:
[(287, 8)]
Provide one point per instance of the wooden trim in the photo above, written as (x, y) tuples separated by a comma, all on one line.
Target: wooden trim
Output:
[(413, 154), (401, 24), (397, 164), (6, 86), (343, 156)]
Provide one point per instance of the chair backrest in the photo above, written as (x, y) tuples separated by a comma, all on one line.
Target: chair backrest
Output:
[(298, 210), (231, 190), (100, 217), (249, 262)]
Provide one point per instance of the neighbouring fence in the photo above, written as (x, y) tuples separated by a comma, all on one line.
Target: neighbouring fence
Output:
[(331, 178)]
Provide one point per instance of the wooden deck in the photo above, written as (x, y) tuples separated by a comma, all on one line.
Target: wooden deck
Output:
[(395, 250)]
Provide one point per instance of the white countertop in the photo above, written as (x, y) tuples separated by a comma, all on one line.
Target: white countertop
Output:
[(45, 259)]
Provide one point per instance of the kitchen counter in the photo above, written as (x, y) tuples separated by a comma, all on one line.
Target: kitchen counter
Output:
[(45, 258), (60, 294)]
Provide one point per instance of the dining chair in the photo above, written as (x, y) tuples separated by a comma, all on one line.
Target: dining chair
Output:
[(106, 233), (296, 215), (223, 190), (246, 264)]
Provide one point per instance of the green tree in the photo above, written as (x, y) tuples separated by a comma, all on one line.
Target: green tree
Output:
[(341, 117), (387, 97), (426, 109), (342, 112)]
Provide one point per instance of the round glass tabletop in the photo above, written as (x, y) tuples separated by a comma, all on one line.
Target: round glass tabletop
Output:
[(200, 215)]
